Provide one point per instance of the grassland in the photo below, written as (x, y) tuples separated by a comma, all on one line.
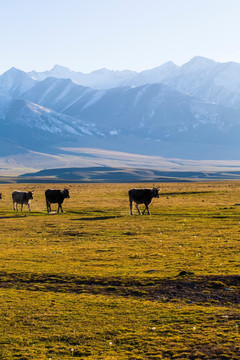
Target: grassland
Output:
[(97, 283)]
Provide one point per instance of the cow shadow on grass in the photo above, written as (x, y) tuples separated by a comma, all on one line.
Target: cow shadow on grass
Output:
[(14, 216), (91, 215), (97, 218), (8, 217), (21, 214)]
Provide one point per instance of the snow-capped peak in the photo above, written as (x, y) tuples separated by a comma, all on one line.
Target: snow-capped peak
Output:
[(198, 63), (14, 82), (59, 68)]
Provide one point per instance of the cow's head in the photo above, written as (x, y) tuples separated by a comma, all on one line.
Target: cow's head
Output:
[(155, 192), (65, 193), (30, 195)]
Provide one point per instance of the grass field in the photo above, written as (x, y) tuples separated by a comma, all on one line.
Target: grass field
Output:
[(97, 283)]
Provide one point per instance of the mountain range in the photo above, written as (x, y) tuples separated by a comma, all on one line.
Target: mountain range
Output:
[(200, 77), (190, 111)]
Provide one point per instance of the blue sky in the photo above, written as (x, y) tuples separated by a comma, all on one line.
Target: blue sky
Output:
[(86, 35)]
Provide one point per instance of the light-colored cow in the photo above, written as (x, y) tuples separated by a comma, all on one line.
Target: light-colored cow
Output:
[(22, 198)]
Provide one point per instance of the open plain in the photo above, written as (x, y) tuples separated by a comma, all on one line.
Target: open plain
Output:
[(97, 283)]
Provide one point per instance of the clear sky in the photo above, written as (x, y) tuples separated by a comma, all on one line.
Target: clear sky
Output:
[(86, 35)]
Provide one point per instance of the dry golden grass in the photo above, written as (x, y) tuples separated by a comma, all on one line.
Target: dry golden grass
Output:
[(97, 283)]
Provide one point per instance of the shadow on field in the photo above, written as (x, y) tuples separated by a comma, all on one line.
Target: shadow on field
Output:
[(97, 218), (12, 217), (220, 217), (214, 289), (187, 193)]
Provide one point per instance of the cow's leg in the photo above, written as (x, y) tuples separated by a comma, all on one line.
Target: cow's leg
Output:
[(48, 206), (130, 206), (21, 206), (146, 208), (29, 207), (13, 206), (60, 208), (138, 209)]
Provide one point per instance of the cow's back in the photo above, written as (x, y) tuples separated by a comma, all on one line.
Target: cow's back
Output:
[(17, 196), (52, 195), (139, 195)]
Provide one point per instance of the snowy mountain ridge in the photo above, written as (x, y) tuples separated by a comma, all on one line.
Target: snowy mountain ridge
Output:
[(223, 73), (200, 77)]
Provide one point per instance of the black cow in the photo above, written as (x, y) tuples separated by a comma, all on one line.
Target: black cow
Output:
[(0, 195), (142, 196), (56, 196), (21, 197)]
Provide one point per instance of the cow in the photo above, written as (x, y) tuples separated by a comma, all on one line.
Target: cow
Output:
[(142, 196), (22, 197), (0, 195), (56, 196)]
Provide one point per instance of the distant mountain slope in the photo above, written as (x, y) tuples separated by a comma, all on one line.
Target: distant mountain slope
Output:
[(153, 111), (59, 94), (29, 124)]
